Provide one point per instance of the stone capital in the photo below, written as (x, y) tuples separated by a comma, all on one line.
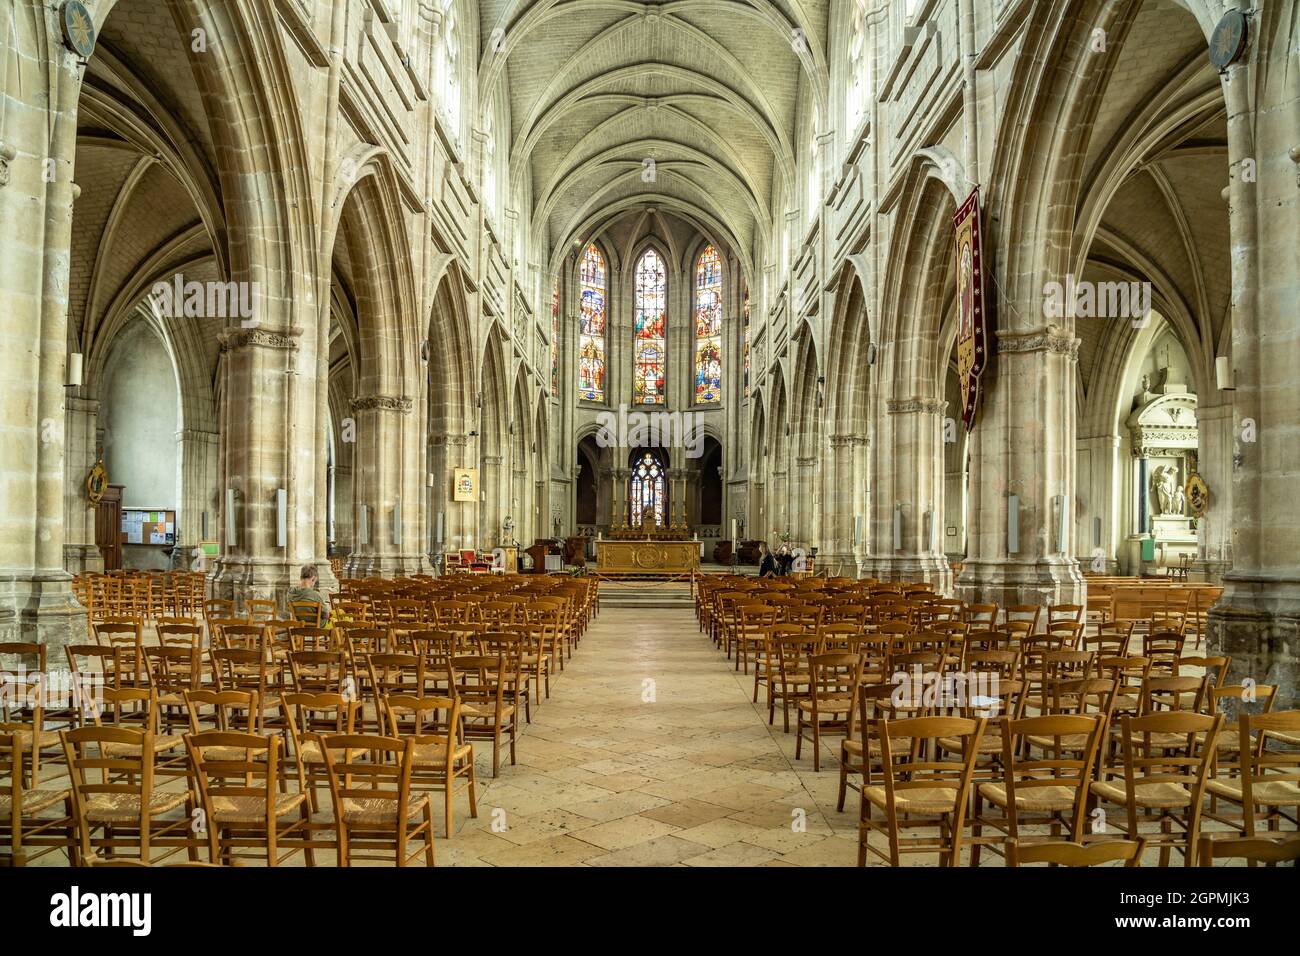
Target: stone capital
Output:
[(450, 440), (1053, 338), (849, 441), (386, 403), (234, 339), (912, 406)]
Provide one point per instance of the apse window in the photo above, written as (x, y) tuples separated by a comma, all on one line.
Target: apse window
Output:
[(648, 330), (708, 327), (591, 326)]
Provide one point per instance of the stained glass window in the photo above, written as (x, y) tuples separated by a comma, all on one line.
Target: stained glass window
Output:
[(555, 336), (591, 326), (648, 330), (648, 490), (708, 327), (744, 343)]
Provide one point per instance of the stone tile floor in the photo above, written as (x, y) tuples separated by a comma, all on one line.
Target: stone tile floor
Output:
[(650, 752)]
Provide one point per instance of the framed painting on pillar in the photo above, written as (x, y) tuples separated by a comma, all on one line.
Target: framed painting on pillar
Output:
[(464, 484), (972, 349)]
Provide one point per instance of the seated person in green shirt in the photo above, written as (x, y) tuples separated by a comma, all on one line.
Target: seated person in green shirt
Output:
[(306, 591)]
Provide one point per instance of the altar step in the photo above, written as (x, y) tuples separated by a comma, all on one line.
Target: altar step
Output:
[(646, 595)]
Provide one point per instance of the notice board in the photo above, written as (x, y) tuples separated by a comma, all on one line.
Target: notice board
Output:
[(148, 526)]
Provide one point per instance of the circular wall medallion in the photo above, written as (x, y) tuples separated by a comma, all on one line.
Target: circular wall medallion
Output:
[(78, 28), (1229, 40)]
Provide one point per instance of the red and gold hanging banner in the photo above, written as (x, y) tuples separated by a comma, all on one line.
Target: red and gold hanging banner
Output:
[(972, 334)]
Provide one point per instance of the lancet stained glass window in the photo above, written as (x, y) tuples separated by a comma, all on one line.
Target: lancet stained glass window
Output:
[(648, 330), (744, 343), (648, 490), (555, 336), (708, 327), (591, 326)]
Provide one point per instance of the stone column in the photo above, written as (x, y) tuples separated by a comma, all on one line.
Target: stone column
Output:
[(36, 197), (268, 442), (80, 553), (778, 516), (344, 530), (383, 483), (1023, 446), (842, 504), (915, 430), (758, 527), (806, 502), (448, 452), (493, 508), (1214, 457), (1098, 494), (1257, 621), (521, 506), (198, 454)]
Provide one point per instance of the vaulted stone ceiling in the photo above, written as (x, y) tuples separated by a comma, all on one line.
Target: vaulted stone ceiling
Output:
[(709, 90)]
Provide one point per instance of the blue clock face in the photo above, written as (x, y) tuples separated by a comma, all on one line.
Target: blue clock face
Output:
[(78, 28), (1229, 39)]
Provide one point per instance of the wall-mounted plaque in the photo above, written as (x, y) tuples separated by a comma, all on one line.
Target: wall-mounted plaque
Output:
[(464, 484)]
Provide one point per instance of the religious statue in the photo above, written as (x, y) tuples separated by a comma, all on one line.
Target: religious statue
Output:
[(1163, 487)]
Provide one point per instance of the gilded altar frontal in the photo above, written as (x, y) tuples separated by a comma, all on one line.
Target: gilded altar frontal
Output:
[(743, 433)]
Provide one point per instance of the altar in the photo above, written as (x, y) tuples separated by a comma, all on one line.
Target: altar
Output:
[(647, 558)]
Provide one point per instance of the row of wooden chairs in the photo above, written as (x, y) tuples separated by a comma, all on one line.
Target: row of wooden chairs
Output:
[(950, 702), (254, 675)]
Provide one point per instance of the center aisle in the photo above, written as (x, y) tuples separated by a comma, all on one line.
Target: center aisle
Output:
[(649, 752)]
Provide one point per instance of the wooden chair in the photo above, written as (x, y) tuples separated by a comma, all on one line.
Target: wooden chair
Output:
[(1072, 613), (982, 616), (512, 647), (319, 672), (173, 670), (480, 683), (137, 707), (261, 610), (791, 646), (22, 825), (1130, 674), (112, 775), (1048, 790), (309, 717), (1164, 648), (752, 619), (1063, 853), (1267, 850), (1269, 780), (241, 781), (832, 701), (1167, 783), (24, 692), (308, 612), (1021, 619), (374, 809), (441, 756), (128, 637), (919, 791), (1111, 640), (246, 670)]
